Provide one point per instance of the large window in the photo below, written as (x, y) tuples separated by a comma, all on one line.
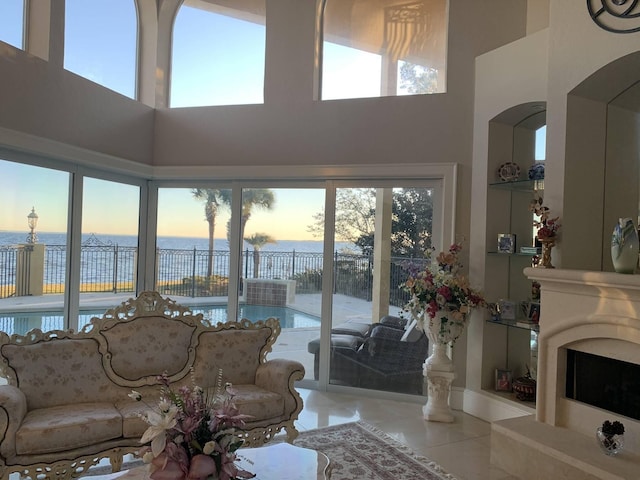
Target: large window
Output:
[(12, 22), (109, 244), (378, 230), (384, 48), (33, 253), (101, 42), (192, 247), (324, 257), (218, 53)]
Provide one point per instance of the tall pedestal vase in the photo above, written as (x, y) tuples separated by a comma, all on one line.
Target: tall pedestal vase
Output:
[(624, 246), (438, 367)]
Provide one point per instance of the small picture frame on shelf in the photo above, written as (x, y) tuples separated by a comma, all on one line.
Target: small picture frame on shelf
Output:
[(507, 309), (506, 242), (503, 380), (533, 312)]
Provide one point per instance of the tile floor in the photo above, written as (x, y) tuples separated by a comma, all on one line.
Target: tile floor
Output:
[(462, 448)]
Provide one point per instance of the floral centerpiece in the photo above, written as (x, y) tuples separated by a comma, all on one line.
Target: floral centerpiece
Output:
[(191, 433), (441, 297)]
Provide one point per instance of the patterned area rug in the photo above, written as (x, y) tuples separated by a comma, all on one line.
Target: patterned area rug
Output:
[(360, 451)]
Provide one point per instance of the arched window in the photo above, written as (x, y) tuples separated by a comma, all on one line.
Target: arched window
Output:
[(218, 53), (12, 22), (100, 42), (541, 143), (383, 48)]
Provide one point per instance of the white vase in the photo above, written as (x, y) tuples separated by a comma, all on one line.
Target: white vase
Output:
[(442, 331), (624, 246)]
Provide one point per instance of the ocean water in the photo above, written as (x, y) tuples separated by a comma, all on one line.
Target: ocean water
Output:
[(302, 246), (111, 259)]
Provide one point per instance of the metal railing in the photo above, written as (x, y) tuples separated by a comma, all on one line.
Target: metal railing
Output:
[(185, 272)]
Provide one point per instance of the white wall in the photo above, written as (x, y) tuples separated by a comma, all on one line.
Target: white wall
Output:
[(577, 48), (41, 99)]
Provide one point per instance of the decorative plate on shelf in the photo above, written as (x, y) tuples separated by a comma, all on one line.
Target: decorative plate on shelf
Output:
[(508, 172)]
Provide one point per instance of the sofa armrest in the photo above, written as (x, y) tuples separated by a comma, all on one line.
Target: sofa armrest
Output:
[(13, 408), (279, 375)]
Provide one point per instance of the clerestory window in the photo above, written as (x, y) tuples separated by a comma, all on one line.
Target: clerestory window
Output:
[(12, 22), (101, 42), (384, 48), (218, 55)]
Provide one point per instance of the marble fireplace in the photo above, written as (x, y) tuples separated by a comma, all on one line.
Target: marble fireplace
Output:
[(582, 312)]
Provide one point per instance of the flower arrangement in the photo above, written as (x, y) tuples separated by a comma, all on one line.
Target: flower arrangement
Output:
[(612, 428), (441, 287), (191, 434), (547, 227)]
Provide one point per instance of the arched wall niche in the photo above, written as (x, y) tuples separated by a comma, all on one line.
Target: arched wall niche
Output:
[(512, 136), (602, 164)]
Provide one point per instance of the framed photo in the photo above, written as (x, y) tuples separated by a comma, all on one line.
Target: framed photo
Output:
[(507, 309), (533, 312), (503, 380), (506, 242)]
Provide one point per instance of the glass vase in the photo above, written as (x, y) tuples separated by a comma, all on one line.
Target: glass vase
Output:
[(611, 444)]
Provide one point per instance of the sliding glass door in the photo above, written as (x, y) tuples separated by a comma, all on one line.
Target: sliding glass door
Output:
[(33, 240)]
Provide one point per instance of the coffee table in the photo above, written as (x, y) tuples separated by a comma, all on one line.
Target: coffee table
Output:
[(280, 461), (284, 461)]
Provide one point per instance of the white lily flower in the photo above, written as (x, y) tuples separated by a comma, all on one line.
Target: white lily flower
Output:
[(137, 396), (164, 405), (156, 433)]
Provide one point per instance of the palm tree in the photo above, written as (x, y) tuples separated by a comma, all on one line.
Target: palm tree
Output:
[(257, 241), (213, 199), (254, 197)]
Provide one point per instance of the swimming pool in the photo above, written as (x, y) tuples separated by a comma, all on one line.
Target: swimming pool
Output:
[(21, 323), (289, 318)]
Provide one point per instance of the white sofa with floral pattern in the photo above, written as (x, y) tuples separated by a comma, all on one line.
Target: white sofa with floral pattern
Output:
[(66, 404)]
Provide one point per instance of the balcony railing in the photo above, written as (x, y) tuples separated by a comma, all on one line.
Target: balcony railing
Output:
[(112, 268)]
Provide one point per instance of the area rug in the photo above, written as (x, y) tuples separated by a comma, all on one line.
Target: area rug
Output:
[(360, 451)]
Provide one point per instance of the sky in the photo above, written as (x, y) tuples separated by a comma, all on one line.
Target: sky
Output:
[(217, 60)]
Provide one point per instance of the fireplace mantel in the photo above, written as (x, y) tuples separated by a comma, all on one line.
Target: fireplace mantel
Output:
[(598, 312), (593, 312)]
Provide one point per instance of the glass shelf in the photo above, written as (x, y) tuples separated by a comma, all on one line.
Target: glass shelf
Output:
[(521, 185), (515, 254), (518, 323)]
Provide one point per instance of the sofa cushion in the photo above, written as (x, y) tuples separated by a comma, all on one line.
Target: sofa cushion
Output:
[(55, 429), (258, 402), (133, 425), (236, 352), (352, 328), (60, 372)]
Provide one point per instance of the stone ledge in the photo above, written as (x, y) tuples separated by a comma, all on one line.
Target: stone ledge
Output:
[(532, 450)]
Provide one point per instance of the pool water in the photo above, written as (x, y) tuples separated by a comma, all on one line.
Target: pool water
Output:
[(21, 323), (289, 318)]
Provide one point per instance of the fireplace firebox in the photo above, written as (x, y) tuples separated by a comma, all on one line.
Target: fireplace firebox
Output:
[(604, 383)]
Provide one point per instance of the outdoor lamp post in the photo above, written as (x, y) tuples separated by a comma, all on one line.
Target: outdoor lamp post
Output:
[(32, 220)]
